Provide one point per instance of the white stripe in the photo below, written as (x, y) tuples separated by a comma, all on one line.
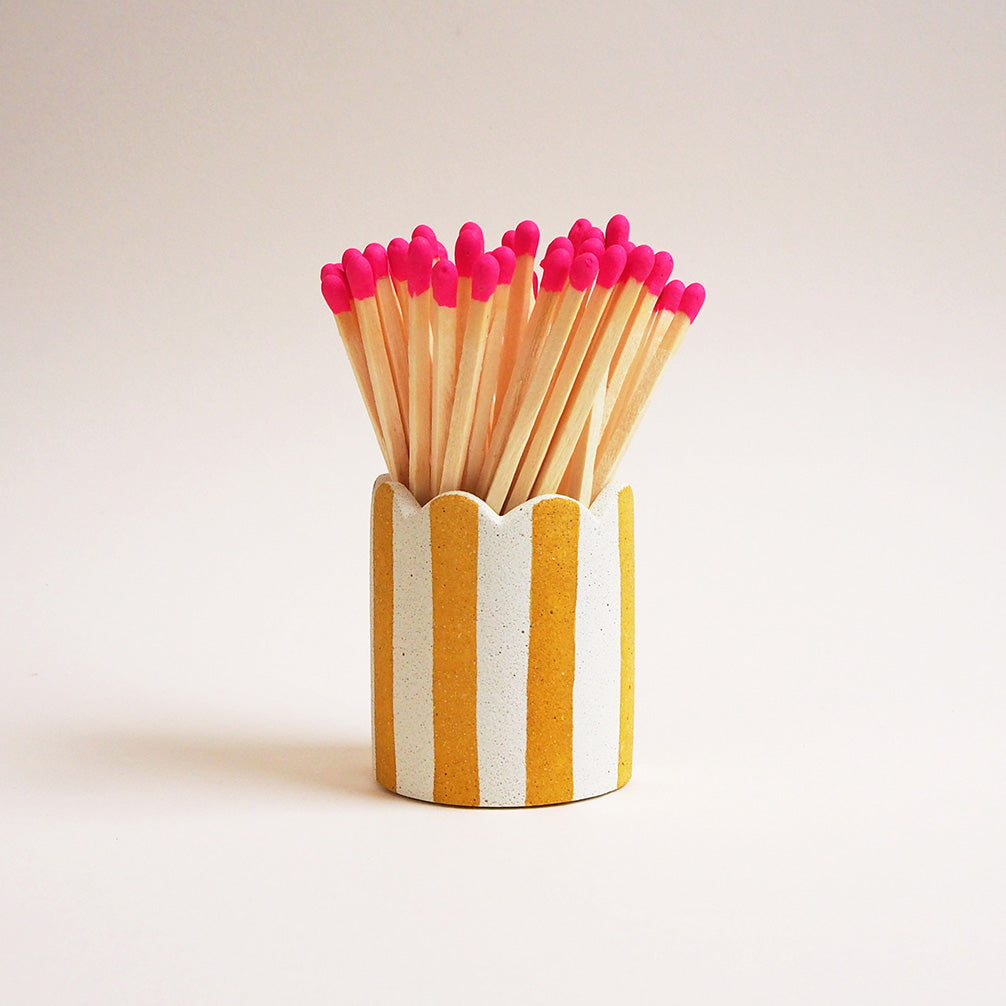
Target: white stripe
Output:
[(504, 619), (413, 647), (597, 678)]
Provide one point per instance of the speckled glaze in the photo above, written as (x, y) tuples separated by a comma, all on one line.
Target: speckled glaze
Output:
[(502, 647)]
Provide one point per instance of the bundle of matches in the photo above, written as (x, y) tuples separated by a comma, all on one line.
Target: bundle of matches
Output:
[(479, 375)]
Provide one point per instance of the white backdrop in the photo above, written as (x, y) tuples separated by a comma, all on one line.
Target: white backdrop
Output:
[(187, 812)]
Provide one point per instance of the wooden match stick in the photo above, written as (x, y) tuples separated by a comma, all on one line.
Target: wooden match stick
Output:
[(625, 354), (420, 264), (579, 230), (425, 231), (335, 290), (485, 278), (612, 264), (360, 277), (593, 245), (538, 376), (444, 280), (558, 267), (468, 247), (391, 322), (525, 247), (617, 231), (618, 433), (398, 266), (593, 372), (663, 312), (489, 379), (580, 477), (560, 242), (578, 480)]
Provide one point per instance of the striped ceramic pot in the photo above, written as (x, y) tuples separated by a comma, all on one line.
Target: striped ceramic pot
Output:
[(503, 647)]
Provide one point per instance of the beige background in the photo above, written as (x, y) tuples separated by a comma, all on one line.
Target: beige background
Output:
[(817, 810)]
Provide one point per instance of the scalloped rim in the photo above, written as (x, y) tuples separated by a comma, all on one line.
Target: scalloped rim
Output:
[(606, 498)]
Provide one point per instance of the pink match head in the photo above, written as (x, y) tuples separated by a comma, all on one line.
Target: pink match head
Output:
[(579, 230), (468, 247), (692, 300), (425, 231), (398, 259), (629, 246), (485, 277), (583, 271), (617, 231), (591, 245), (335, 290), (359, 274), (560, 242), (555, 269), (663, 266), (330, 267), (612, 266), (639, 263), (440, 251), (670, 296), (420, 265), (526, 238), (377, 255), (507, 241), (471, 226), (444, 279), (596, 233), (507, 261)]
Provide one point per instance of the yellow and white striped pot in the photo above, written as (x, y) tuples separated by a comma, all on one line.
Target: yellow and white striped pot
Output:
[(503, 647)]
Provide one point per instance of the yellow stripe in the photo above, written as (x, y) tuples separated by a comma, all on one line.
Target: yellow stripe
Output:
[(384, 603), (555, 533), (627, 560), (454, 541)]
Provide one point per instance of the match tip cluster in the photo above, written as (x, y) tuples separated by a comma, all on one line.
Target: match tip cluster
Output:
[(519, 353)]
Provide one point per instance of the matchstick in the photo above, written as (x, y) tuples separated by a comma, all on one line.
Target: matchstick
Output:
[(557, 268), (398, 266), (444, 280), (525, 247), (560, 242), (360, 277), (593, 372), (485, 278), (612, 264), (625, 354), (593, 245), (535, 385), (468, 247), (618, 433), (391, 322), (489, 379), (425, 231), (663, 312), (617, 231), (420, 265), (335, 290), (578, 480)]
